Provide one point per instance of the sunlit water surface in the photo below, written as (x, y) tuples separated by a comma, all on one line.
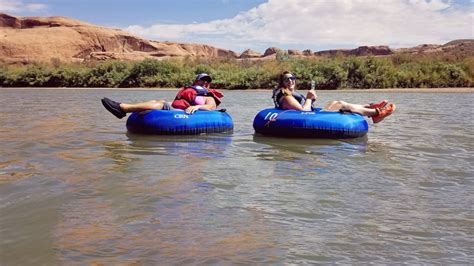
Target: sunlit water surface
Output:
[(75, 188)]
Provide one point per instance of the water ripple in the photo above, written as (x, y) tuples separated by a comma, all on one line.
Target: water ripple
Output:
[(76, 188)]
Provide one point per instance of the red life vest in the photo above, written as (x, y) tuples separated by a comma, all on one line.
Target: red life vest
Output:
[(186, 96)]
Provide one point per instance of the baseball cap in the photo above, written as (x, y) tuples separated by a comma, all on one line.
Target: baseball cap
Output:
[(204, 76)]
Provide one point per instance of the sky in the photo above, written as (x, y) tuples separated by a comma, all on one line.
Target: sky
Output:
[(259, 24)]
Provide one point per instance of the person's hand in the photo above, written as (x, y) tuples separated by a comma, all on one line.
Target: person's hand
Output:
[(311, 95), (192, 109)]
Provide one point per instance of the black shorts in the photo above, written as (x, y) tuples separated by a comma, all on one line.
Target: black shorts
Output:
[(167, 106)]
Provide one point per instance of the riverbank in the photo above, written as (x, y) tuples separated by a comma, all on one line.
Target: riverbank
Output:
[(329, 73)]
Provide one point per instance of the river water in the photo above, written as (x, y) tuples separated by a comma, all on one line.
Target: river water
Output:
[(75, 188)]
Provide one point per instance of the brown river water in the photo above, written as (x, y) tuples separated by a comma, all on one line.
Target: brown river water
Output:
[(76, 189)]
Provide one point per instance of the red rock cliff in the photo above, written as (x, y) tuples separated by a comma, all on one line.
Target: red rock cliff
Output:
[(42, 39)]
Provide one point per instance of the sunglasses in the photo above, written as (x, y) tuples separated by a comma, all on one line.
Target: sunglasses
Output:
[(290, 78)]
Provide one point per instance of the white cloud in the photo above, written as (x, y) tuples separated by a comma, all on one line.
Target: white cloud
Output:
[(13, 6), (317, 24), (8, 6), (35, 7), (434, 5)]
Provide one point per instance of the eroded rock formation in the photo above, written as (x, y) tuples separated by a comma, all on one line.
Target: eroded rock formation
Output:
[(40, 39), (61, 39)]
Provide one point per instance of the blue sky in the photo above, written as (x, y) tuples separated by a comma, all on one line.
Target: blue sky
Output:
[(120, 13), (259, 24)]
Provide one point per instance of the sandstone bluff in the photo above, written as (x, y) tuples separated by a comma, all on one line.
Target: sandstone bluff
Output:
[(47, 39)]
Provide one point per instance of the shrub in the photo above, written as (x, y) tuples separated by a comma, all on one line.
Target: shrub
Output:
[(3, 77), (282, 56), (370, 72), (108, 74), (329, 73), (69, 77), (154, 73), (33, 76)]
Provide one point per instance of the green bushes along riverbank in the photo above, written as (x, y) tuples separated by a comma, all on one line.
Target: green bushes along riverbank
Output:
[(398, 71)]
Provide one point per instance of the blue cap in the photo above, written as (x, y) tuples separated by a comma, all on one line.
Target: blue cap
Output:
[(204, 76)]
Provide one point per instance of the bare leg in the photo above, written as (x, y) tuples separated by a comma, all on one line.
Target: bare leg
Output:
[(145, 106), (336, 106)]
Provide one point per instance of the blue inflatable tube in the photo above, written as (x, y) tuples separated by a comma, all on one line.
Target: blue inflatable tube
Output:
[(314, 124), (177, 122)]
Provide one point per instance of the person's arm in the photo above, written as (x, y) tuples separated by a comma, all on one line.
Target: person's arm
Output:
[(209, 105), (290, 103)]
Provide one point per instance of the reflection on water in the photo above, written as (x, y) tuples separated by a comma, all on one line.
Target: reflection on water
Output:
[(76, 188), (315, 155), (166, 210), (314, 146), (205, 145)]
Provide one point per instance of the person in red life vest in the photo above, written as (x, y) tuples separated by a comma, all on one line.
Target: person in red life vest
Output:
[(286, 97), (198, 96)]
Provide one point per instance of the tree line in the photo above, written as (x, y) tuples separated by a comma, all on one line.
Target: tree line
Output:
[(397, 71)]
